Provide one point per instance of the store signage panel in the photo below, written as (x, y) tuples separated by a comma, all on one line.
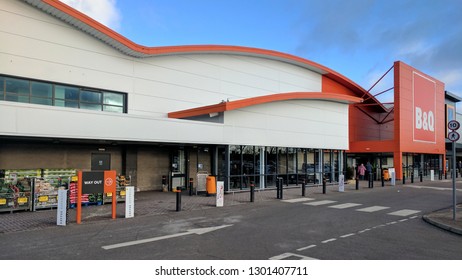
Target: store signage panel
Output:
[(341, 183), (110, 183), (62, 208), (93, 182), (130, 202), (424, 97), (220, 197)]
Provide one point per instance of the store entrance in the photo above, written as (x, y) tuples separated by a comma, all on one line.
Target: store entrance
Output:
[(191, 164), (177, 168)]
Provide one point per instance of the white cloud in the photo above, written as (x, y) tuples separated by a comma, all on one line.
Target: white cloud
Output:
[(104, 11)]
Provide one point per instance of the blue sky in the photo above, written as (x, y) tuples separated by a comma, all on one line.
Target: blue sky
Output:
[(357, 38)]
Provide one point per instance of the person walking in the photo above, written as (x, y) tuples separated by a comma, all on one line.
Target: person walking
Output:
[(361, 171), (369, 171)]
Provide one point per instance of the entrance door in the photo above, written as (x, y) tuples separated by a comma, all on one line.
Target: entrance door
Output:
[(178, 168), (100, 161)]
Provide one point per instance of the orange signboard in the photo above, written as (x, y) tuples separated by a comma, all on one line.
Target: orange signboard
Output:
[(424, 97)]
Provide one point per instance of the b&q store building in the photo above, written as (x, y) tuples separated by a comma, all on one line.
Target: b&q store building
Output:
[(74, 94)]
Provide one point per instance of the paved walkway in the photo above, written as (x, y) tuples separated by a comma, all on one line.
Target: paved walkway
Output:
[(159, 203)]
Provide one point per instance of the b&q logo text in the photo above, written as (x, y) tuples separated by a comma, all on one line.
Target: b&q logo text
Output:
[(424, 120)]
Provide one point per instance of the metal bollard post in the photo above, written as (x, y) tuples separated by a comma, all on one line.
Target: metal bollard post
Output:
[(412, 178), (303, 188), (252, 192), (372, 182), (369, 182), (277, 189), (404, 179), (445, 175), (191, 180), (421, 176), (324, 185), (178, 199), (383, 181), (357, 184), (281, 183)]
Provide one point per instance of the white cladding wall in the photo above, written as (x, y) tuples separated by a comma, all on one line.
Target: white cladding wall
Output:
[(303, 123), (38, 46)]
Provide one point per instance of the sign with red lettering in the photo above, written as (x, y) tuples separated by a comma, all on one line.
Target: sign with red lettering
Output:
[(424, 98)]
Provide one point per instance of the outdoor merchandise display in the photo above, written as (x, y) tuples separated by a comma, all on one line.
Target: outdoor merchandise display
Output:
[(15, 190), (46, 187)]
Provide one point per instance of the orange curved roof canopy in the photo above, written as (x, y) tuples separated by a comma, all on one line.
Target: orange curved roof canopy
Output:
[(233, 105)]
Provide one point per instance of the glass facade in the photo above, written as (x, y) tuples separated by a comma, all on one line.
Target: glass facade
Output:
[(51, 94), (263, 165)]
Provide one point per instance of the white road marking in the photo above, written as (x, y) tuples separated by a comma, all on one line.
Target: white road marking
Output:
[(345, 205), (372, 209), (321, 202), (404, 212), (328, 240), (199, 231), (364, 230), (347, 235), (290, 255), (306, 248), (431, 188), (298, 200), (403, 220), (413, 217)]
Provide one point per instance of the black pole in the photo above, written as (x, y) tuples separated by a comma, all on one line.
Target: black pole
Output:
[(369, 179), (372, 180), (252, 192), (383, 181), (281, 183), (277, 188), (324, 185), (421, 176), (303, 188), (412, 178), (404, 179), (178, 200), (357, 184)]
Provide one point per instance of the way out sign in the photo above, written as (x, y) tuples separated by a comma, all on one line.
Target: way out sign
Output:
[(96, 182)]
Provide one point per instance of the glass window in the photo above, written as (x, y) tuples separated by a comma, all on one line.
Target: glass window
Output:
[(282, 161), (271, 160), (90, 96), (248, 163), (41, 90), (17, 98), (301, 161), (65, 92), (116, 109), (42, 101), (90, 106), (2, 87), (36, 92), (113, 99), (20, 87), (66, 103), (235, 160), (291, 160)]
